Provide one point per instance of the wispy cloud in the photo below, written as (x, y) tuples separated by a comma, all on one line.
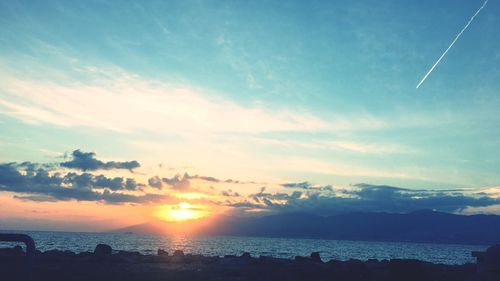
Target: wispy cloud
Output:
[(369, 147), (110, 98), (338, 168), (124, 102)]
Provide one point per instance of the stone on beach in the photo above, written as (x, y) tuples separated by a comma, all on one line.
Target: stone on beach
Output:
[(488, 263), (162, 252), (103, 250), (178, 253), (246, 255), (107, 264), (15, 251), (315, 256)]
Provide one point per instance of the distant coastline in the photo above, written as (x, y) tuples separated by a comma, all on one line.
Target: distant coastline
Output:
[(424, 226)]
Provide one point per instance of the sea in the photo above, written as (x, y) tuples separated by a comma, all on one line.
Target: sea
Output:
[(256, 246)]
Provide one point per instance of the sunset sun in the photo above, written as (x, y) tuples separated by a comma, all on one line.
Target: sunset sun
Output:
[(183, 212)]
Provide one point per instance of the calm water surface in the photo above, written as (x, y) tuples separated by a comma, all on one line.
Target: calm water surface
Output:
[(276, 247)]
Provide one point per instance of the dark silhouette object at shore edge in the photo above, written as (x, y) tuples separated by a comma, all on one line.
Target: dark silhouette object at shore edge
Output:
[(103, 250), (488, 263), (30, 247), (108, 264)]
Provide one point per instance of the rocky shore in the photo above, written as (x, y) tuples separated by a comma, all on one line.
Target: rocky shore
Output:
[(108, 264)]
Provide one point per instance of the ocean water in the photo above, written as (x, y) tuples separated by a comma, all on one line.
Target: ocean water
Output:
[(276, 247)]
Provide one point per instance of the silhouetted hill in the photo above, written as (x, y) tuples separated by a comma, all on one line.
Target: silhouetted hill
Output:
[(419, 226)]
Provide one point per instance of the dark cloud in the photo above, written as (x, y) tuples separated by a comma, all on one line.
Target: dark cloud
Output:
[(181, 183), (147, 198), (239, 182), (89, 181), (184, 182), (155, 182), (307, 185), (111, 183), (86, 161), (396, 199), (368, 198), (36, 198), (243, 205), (178, 183), (130, 184), (204, 178), (303, 185), (42, 182), (327, 188), (229, 193), (40, 185)]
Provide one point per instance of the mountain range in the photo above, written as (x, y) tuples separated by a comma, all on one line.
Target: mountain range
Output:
[(419, 226)]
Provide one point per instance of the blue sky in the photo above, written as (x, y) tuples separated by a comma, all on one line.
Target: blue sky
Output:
[(319, 91)]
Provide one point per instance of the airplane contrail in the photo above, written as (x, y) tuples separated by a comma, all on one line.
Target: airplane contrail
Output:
[(452, 43)]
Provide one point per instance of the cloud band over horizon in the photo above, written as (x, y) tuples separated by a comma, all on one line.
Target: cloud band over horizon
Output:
[(47, 182)]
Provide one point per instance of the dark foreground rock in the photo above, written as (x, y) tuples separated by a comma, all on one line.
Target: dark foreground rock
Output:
[(102, 250), (107, 264)]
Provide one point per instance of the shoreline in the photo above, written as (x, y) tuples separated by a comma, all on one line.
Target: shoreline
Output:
[(108, 264)]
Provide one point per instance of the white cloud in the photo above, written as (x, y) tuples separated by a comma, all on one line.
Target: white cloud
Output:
[(493, 209), (121, 101), (75, 94), (339, 145), (370, 148), (298, 164)]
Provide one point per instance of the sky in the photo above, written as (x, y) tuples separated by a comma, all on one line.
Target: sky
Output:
[(117, 112)]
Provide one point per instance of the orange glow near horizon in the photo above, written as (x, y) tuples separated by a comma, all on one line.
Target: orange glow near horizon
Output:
[(182, 212)]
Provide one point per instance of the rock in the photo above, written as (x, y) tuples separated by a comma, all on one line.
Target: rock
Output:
[(178, 257), (354, 265), (407, 269), (178, 253), (246, 255), (190, 258), (14, 251), (492, 256), (373, 264), (18, 249), (125, 257), (55, 255), (488, 263), (69, 253), (210, 260), (301, 258), (128, 253), (103, 250), (315, 256), (84, 254), (52, 253), (121, 265)]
